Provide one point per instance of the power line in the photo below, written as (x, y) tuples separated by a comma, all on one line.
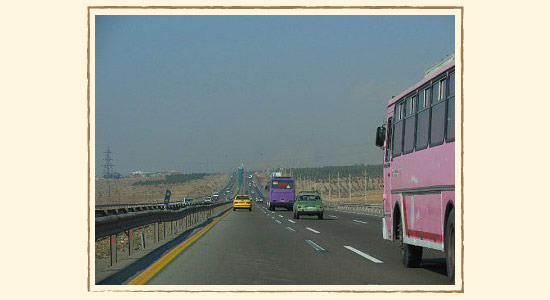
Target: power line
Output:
[(108, 164)]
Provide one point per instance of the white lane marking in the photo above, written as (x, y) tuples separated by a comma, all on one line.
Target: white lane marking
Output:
[(364, 255), (272, 212), (334, 217), (278, 221), (312, 230), (290, 229), (315, 246), (360, 221), (291, 221), (280, 216)]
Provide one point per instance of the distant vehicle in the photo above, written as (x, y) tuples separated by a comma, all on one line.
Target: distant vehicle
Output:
[(418, 144), (249, 176), (281, 192), (242, 201), (309, 204), (207, 200), (259, 200), (187, 201), (215, 197), (275, 174)]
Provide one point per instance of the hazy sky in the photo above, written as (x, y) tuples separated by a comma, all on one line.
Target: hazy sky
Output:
[(207, 93)]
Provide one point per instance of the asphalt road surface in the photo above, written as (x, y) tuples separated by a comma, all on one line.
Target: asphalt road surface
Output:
[(261, 247)]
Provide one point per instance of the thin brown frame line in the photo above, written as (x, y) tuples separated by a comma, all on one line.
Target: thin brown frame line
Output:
[(88, 135), (462, 141), (276, 7), (293, 7), (275, 291)]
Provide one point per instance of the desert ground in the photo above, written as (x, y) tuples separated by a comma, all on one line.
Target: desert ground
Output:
[(121, 191)]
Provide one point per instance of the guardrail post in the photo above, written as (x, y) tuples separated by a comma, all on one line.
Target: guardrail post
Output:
[(130, 241), (113, 249), (156, 233)]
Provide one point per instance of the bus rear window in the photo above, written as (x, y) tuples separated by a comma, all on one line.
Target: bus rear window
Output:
[(282, 184)]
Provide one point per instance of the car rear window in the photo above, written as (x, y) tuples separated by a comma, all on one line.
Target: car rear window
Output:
[(243, 198)]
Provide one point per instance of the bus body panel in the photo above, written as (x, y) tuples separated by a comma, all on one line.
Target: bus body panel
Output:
[(282, 197)]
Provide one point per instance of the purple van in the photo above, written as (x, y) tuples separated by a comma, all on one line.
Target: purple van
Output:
[(281, 192)]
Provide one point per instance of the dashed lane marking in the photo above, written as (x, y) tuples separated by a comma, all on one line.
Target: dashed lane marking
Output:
[(360, 221), (290, 229), (315, 246), (291, 221), (364, 255), (312, 230)]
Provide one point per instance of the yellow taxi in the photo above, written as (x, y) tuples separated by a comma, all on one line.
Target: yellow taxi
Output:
[(242, 201)]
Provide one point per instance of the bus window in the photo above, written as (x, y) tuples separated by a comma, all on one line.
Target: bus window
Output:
[(451, 109), (437, 126), (408, 142), (423, 99), (442, 89), (397, 138), (388, 140), (435, 92), (398, 114), (282, 184), (423, 120)]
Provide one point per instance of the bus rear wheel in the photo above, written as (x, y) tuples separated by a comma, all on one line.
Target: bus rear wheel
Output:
[(450, 246), (410, 255)]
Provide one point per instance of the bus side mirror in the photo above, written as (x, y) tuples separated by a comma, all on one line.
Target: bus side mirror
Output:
[(380, 136)]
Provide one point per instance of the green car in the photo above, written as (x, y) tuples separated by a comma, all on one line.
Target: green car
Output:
[(309, 204)]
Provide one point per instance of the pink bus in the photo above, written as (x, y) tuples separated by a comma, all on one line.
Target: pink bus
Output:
[(419, 167)]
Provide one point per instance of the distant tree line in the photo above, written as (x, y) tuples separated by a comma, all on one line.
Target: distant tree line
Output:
[(172, 179), (373, 171)]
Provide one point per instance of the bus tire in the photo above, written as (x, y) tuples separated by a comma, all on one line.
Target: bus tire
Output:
[(410, 255), (450, 245)]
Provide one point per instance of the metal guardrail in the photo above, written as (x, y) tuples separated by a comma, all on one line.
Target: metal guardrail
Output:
[(118, 209), (367, 208), (174, 217), (114, 219), (113, 224)]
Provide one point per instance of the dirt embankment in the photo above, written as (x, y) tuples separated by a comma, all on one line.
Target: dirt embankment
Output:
[(116, 191)]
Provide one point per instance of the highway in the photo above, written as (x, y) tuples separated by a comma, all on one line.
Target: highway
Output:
[(263, 247)]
